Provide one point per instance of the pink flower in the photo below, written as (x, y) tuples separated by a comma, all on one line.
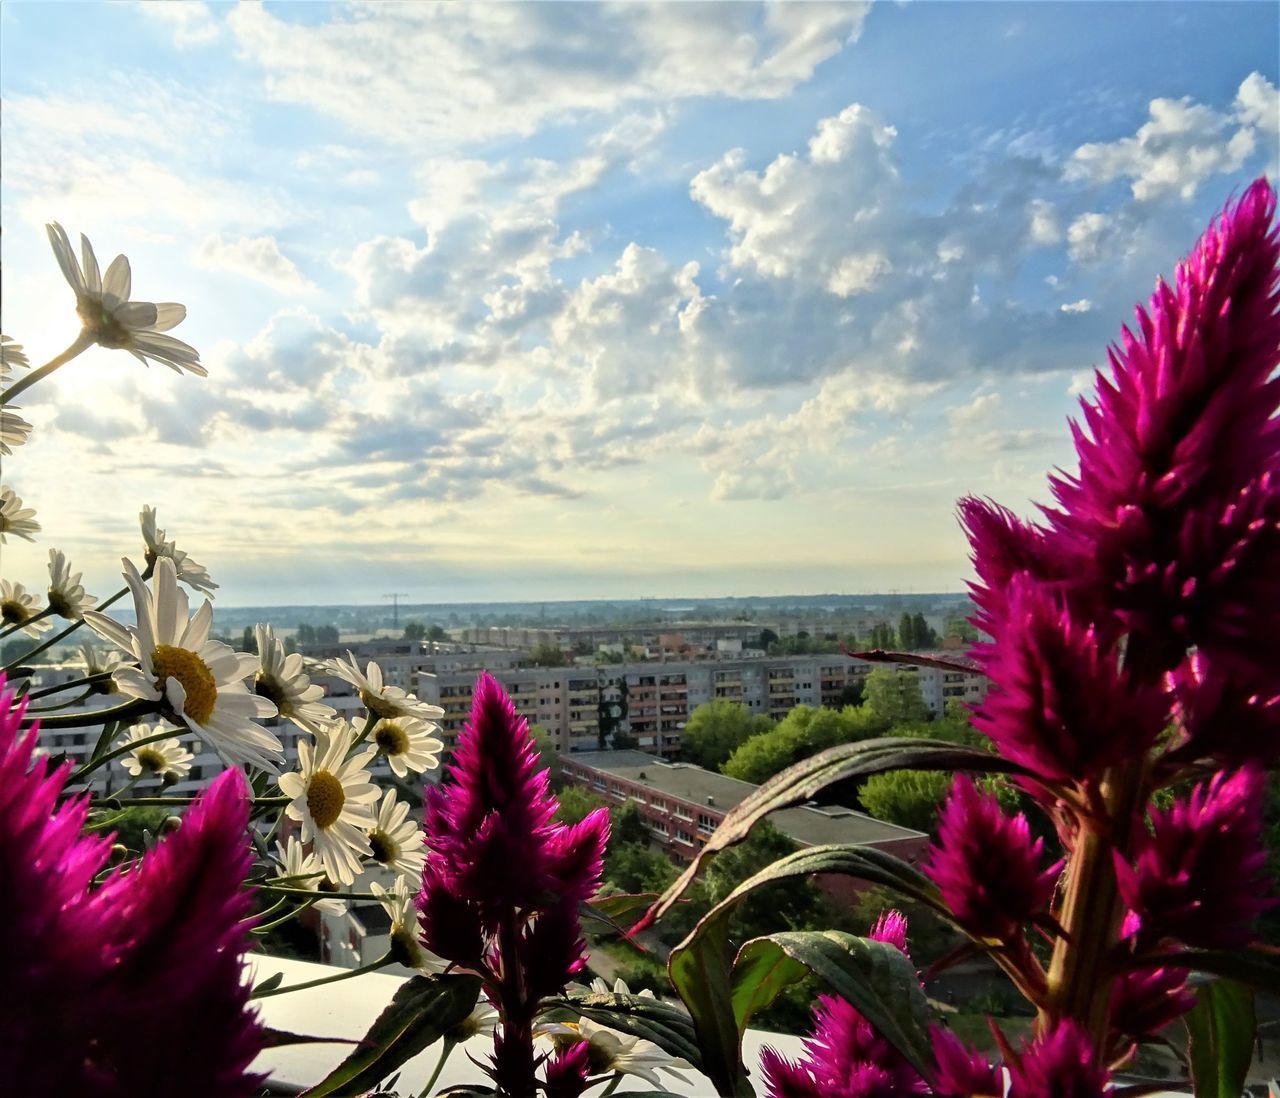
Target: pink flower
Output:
[(962, 1071), (986, 866), (1059, 703), (503, 882), (566, 1071), (1182, 427), (1143, 1003), (844, 1057), (1199, 875), (1226, 714), (1059, 1062), (136, 987)]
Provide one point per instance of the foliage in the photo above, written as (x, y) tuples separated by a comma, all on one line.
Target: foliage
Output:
[(717, 728), (893, 697), (803, 732), (545, 654)]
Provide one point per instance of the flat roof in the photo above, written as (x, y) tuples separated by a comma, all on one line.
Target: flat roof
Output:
[(812, 825)]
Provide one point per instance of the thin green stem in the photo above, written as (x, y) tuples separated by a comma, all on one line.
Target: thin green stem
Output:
[(13, 627), (82, 343), (449, 1046), (138, 707), (382, 962), (134, 802), (263, 928), (285, 891), (64, 633), (88, 680), (369, 722)]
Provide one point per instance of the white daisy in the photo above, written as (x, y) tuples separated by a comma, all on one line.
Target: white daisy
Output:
[(196, 681), (14, 518), (194, 575), (11, 355), (282, 680), (408, 744), (14, 430), (18, 606), (168, 759), (619, 988), (613, 1051), (380, 699), (332, 799), (306, 873), (100, 663), (111, 319), (405, 946), (66, 595), (481, 1022), (394, 841)]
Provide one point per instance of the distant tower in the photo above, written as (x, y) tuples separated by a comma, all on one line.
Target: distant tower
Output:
[(395, 598)]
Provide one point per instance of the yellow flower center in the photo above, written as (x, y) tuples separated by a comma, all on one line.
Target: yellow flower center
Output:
[(325, 798), (151, 759), (377, 704), (385, 849), (391, 738), (170, 662), (266, 686), (12, 612)]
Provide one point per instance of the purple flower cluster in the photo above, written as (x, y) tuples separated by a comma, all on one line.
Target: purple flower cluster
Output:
[(138, 985), (504, 882)]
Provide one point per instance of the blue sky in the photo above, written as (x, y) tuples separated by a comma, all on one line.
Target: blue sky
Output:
[(544, 300)]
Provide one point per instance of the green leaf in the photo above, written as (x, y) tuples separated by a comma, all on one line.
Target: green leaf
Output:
[(1220, 1033), (701, 965), (269, 984), (420, 1013), (875, 977), (1258, 968), (799, 783), (275, 1038), (667, 1026)]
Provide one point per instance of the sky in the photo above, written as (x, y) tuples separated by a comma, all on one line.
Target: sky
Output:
[(588, 300)]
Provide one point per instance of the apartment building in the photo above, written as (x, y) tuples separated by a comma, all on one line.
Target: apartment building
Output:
[(683, 804)]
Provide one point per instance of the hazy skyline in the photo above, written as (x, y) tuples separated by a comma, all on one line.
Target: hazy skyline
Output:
[(555, 301)]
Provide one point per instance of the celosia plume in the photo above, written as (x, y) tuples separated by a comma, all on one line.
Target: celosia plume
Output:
[(1182, 427), (989, 871), (963, 1071), (138, 986), (1060, 1062), (1199, 874)]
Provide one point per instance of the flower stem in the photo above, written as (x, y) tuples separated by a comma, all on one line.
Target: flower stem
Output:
[(15, 626), (82, 343), (136, 708), (513, 1060), (346, 974), (71, 684), (63, 634), (444, 1055)]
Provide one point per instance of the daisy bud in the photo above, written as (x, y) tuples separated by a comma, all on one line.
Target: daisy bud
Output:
[(1199, 874), (1058, 703), (986, 866)]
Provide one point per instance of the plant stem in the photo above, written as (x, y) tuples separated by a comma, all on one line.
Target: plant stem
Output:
[(444, 1055), (82, 343), (88, 680), (63, 634), (115, 753), (138, 707), (513, 1060), (382, 962), (132, 802), (13, 627)]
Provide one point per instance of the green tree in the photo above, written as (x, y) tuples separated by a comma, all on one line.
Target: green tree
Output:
[(437, 633), (906, 632), (923, 634), (908, 798), (576, 803), (803, 732), (548, 655), (305, 634), (327, 634), (717, 728), (547, 752), (414, 631), (894, 696)]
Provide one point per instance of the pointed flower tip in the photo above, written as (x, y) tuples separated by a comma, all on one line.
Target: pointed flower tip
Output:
[(1059, 1061)]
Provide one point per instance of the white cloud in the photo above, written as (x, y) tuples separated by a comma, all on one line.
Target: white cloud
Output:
[(1084, 305), (257, 257), (191, 21), (1087, 236), (1183, 144), (438, 75), (1044, 227)]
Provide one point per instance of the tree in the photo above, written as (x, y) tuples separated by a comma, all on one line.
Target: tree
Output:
[(767, 638), (894, 696), (414, 631), (437, 632), (803, 732), (906, 632), (327, 634), (923, 634), (908, 798), (717, 728), (547, 655), (305, 634), (248, 640), (547, 752)]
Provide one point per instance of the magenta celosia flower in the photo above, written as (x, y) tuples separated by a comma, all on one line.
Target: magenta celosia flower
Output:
[(844, 1057), (567, 1071), (1182, 427), (1225, 714), (1059, 703), (1060, 1062), (963, 1071), (1199, 874), (503, 882), (1143, 1003), (989, 871), (136, 987)]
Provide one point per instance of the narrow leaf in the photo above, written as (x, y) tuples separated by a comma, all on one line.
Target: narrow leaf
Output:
[(799, 783), (1257, 967), (269, 984), (667, 1026), (275, 1038), (1220, 1033), (419, 1014), (874, 977)]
